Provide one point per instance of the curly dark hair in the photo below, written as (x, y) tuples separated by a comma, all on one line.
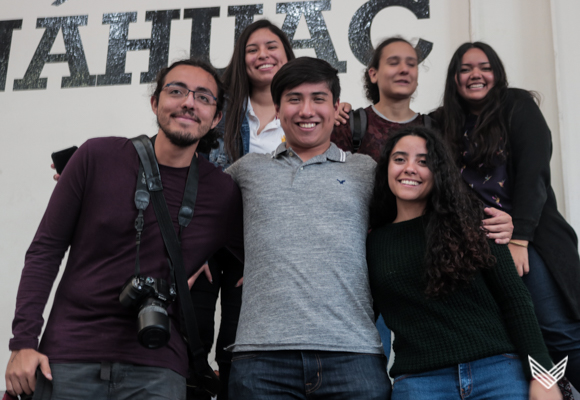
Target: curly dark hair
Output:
[(489, 135), (210, 139), (372, 89), (456, 246)]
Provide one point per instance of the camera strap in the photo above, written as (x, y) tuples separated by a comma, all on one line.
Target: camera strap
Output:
[(149, 179)]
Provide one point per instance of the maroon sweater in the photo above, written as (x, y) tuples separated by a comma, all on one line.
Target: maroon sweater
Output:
[(92, 210), (379, 130)]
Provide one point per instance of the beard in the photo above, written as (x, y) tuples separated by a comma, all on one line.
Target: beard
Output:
[(182, 138)]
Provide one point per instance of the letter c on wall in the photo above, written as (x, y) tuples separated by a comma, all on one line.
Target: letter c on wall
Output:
[(359, 31)]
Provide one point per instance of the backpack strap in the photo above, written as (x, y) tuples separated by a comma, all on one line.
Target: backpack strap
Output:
[(358, 127)]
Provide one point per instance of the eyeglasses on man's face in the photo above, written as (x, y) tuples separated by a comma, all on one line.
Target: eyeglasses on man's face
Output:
[(181, 92)]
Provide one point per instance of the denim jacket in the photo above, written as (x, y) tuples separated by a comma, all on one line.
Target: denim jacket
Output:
[(219, 156)]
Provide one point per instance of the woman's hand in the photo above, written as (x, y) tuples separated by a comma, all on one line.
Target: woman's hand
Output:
[(539, 392), (341, 116), (499, 226), (204, 269), (520, 255), (55, 176)]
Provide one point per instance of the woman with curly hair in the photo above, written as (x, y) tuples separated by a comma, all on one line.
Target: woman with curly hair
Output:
[(502, 146), (390, 81), (453, 299)]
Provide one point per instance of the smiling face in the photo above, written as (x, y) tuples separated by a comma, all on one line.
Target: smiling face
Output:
[(265, 55), (183, 120), (306, 114), (475, 78), (397, 73), (410, 180)]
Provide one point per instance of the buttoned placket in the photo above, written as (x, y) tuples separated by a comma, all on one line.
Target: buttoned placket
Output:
[(298, 165)]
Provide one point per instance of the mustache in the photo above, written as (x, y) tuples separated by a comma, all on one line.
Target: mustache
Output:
[(187, 113)]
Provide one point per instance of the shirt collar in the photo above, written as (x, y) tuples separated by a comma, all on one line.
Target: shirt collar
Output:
[(333, 153)]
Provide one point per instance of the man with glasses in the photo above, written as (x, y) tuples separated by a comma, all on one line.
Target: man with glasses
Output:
[(90, 349)]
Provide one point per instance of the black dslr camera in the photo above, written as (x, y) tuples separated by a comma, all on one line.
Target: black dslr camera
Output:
[(152, 297)]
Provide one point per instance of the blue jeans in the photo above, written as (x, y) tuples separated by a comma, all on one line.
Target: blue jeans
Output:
[(499, 377), (561, 332), (273, 375), (122, 381), (385, 334)]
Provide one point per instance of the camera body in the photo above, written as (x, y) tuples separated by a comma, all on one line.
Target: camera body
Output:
[(151, 297)]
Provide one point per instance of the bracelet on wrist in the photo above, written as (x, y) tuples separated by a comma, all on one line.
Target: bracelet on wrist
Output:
[(519, 244)]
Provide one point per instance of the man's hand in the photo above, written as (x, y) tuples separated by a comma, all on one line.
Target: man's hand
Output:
[(341, 116), (55, 176), (499, 226), (21, 371), (204, 269), (539, 392), (520, 256)]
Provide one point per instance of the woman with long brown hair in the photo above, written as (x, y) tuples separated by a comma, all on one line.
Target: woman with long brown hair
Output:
[(250, 124), (502, 146)]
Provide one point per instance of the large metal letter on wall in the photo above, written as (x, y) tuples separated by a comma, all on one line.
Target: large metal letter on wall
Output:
[(359, 31), (74, 55)]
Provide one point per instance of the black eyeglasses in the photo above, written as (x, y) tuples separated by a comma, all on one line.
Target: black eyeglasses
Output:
[(180, 92)]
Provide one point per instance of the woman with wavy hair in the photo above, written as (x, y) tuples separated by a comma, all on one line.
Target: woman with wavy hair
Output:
[(458, 309), (502, 146)]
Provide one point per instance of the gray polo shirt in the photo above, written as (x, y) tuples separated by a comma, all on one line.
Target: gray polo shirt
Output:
[(305, 277)]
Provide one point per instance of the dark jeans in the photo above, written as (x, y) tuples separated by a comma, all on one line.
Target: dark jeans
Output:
[(277, 375), (125, 381), (561, 332), (226, 270)]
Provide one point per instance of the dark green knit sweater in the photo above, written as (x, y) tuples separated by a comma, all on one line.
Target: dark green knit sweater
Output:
[(491, 315)]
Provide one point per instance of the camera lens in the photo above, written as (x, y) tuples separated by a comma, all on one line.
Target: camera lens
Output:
[(153, 325)]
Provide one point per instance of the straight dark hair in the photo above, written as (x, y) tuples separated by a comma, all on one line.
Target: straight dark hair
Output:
[(239, 86), (488, 142), (372, 89), (210, 139), (456, 246), (305, 70)]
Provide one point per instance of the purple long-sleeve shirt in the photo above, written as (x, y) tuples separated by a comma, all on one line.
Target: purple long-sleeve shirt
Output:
[(92, 210)]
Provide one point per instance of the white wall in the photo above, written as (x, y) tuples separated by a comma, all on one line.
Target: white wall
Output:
[(567, 56), (37, 122)]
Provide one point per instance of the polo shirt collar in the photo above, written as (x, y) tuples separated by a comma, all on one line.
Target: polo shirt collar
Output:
[(333, 153)]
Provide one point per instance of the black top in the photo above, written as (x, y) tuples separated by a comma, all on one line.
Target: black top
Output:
[(491, 184), (534, 209), (491, 315), (535, 212)]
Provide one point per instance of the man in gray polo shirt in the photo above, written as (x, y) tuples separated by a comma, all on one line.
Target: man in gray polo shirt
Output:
[(307, 324)]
